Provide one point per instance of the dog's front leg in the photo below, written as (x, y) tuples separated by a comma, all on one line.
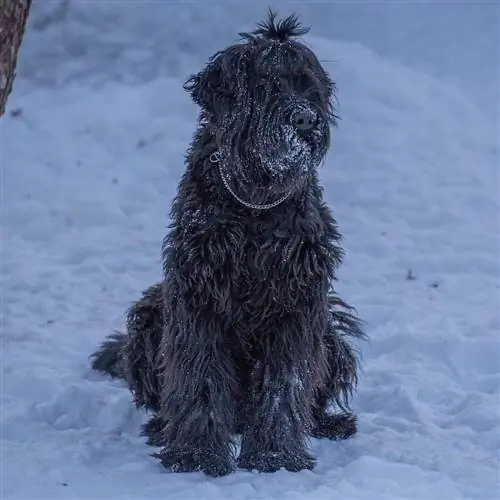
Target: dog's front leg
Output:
[(275, 435), (196, 394)]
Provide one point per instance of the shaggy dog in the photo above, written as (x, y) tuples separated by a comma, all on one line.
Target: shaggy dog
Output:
[(245, 333)]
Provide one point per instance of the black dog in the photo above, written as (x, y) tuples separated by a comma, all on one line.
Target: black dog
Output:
[(245, 333)]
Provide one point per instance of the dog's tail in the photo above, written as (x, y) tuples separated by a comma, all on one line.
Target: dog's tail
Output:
[(108, 358)]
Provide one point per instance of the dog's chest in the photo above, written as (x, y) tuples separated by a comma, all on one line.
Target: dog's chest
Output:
[(264, 255), (275, 265)]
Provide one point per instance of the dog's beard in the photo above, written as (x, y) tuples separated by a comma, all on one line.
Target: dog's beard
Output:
[(263, 156)]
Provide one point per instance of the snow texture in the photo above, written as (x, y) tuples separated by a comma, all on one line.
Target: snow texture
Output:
[(92, 148)]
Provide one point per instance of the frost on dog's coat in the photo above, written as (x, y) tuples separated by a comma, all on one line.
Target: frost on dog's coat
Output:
[(245, 333)]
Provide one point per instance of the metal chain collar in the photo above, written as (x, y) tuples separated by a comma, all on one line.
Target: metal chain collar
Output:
[(215, 158)]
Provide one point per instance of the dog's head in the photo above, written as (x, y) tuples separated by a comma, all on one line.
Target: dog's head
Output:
[(269, 103)]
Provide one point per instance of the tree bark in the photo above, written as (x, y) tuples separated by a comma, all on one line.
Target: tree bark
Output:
[(13, 17)]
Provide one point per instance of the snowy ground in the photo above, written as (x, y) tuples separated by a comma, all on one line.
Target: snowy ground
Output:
[(90, 162)]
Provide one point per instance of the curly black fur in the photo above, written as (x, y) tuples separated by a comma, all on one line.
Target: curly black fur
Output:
[(245, 333)]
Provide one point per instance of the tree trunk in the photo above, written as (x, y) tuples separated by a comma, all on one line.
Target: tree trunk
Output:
[(13, 16)]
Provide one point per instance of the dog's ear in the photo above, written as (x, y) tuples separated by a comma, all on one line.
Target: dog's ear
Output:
[(210, 86)]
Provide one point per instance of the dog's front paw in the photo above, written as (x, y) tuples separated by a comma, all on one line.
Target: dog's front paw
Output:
[(195, 459), (274, 461), (335, 427)]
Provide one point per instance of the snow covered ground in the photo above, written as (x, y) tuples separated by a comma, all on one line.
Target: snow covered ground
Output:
[(90, 158)]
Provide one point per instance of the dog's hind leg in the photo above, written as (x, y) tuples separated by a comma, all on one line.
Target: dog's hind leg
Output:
[(343, 326), (132, 356), (144, 331), (335, 426)]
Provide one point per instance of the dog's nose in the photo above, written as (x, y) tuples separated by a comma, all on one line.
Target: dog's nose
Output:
[(304, 121)]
